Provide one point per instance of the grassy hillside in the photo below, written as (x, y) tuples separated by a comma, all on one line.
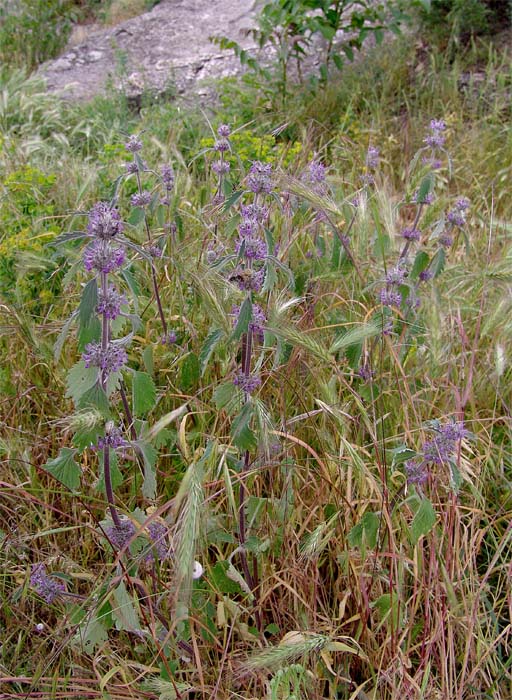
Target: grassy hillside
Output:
[(255, 424)]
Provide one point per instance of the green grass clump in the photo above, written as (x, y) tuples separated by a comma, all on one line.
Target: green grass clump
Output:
[(348, 581)]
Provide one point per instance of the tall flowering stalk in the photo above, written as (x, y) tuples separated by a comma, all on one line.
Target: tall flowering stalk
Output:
[(142, 199), (103, 256), (252, 252)]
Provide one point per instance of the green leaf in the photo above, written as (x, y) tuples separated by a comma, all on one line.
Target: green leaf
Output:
[(149, 456), (221, 581), (423, 521), (190, 372), (208, 347), (365, 532), (223, 394), (421, 262), (243, 437), (96, 398), (232, 200), (65, 469), (244, 318), (401, 454), (89, 332), (86, 436), (88, 302), (136, 216), (147, 357), (455, 477), (426, 186), (123, 610), (91, 634), (438, 262), (338, 61), (143, 393), (79, 380)]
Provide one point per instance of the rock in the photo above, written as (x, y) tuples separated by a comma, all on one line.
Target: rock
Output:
[(168, 46)]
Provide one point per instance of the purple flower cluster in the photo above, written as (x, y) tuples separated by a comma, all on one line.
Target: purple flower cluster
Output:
[(141, 199), (427, 199), (168, 177), (247, 383), (134, 144), (109, 304), (411, 234), (224, 131), (169, 339), (102, 256), (439, 451), (257, 322), (436, 137), (109, 360), (46, 586), (220, 167), (397, 274), (372, 157), (390, 297), (131, 167), (365, 372), (113, 438), (434, 140), (247, 279), (457, 215), (104, 222), (251, 248), (120, 535), (314, 177), (416, 472), (158, 534), (259, 179), (221, 145)]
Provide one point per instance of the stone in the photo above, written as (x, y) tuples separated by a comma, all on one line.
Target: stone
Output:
[(170, 45)]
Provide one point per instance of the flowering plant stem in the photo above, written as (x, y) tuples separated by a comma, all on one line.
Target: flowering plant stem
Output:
[(105, 337), (153, 271)]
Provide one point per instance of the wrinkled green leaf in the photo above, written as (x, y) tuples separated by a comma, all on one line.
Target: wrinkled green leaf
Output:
[(209, 346), (143, 393), (243, 437), (423, 521), (149, 455), (190, 372), (65, 469), (88, 302), (244, 318), (123, 610), (79, 380)]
